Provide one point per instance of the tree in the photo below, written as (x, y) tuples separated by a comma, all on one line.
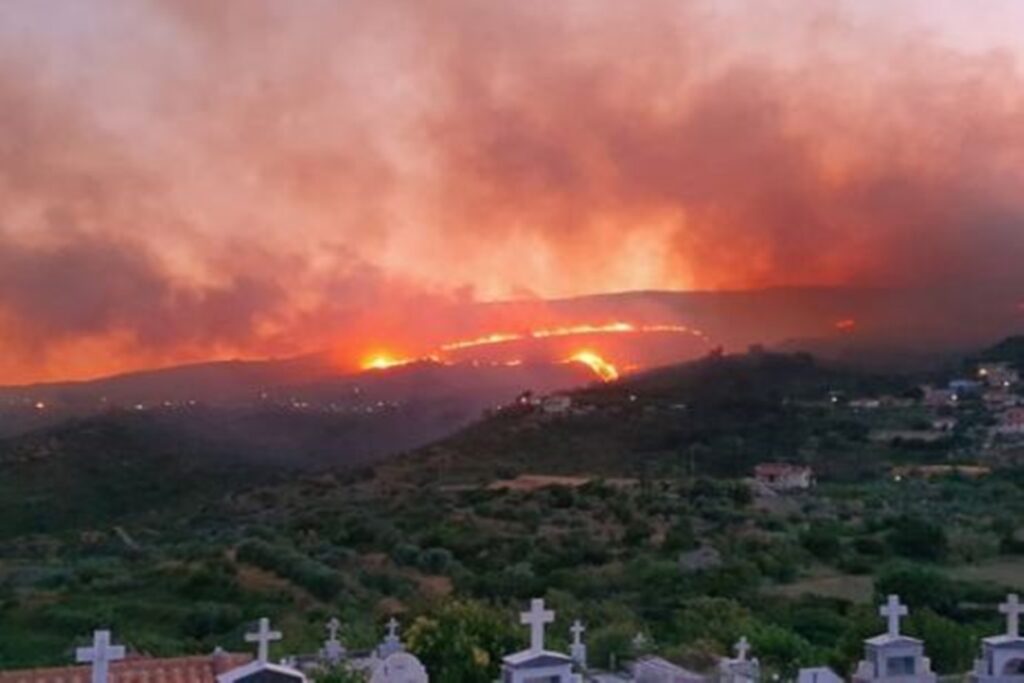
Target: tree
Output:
[(950, 645), (611, 645), (462, 642), (680, 536), (920, 587), (822, 540), (918, 539), (435, 560), (781, 649)]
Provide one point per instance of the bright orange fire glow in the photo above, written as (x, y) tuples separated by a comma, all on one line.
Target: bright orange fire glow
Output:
[(567, 331), (583, 329), (382, 361), (497, 338), (846, 325), (602, 368), (606, 370)]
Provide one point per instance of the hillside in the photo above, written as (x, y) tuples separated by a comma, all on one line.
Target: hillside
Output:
[(123, 463), (111, 522), (718, 416), (1010, 350)]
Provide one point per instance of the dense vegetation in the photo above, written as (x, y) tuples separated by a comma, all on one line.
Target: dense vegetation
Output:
[(179, 564)]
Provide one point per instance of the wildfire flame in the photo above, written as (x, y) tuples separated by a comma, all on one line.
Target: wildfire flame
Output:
[(567, 331), (382, 361), (498, 338), (602, 368), (846, 325)]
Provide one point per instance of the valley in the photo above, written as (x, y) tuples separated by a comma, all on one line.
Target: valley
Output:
[(630, 504)]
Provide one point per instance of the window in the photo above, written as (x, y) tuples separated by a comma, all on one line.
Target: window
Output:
[(899, 666)]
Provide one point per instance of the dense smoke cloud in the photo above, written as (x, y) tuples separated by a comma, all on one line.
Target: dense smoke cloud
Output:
[(184, 179)]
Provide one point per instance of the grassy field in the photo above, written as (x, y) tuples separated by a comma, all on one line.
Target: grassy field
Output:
[(828, 584), (1008, 572)]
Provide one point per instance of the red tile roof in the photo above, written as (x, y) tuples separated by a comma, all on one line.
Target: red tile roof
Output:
[(198, 669)]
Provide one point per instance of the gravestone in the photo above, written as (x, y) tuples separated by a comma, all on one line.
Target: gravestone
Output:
[(400, 667), (741, 668), (262, 670), (263, 637), (578, 649), (536, 664), (333, 652), (100, 655), (392, 643), (1002, 656), (893, 657)]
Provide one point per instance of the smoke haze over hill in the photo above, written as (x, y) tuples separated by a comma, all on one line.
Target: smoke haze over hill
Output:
[(186, 180)]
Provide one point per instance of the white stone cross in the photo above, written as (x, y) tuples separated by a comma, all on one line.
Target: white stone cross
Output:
[(333, 626), (893, 611), (392, 628), (742, 648), (100, 655), (577, 629), (333, 650), (536, 618), (264, 636), (1012, 609)]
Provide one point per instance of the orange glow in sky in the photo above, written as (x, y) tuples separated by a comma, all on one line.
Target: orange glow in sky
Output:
[(211, 190)]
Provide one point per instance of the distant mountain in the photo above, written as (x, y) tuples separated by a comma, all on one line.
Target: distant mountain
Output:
[(212, 383), (1010, 350), (919, 320)]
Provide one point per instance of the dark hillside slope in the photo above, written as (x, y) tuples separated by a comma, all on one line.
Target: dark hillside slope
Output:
[(102, 470), (718, 416)]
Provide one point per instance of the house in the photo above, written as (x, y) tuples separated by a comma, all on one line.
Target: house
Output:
[(557, 404), (965, 387), (944, 424), (996, 399), (780, 476), (938, 398), (1011, 422), (998, 375)]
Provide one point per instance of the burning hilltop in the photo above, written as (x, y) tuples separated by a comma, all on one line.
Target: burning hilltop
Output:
[(605, 348)]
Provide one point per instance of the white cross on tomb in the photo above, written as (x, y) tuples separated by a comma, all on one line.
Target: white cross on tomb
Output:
[(1012, 609), (100, 655), (333, 626), (742, 648), (893, 611), (577, 630), (392, 628), (264, 636), (536, 618)]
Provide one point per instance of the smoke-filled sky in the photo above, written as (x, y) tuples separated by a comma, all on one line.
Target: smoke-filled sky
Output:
[(185, 179)]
